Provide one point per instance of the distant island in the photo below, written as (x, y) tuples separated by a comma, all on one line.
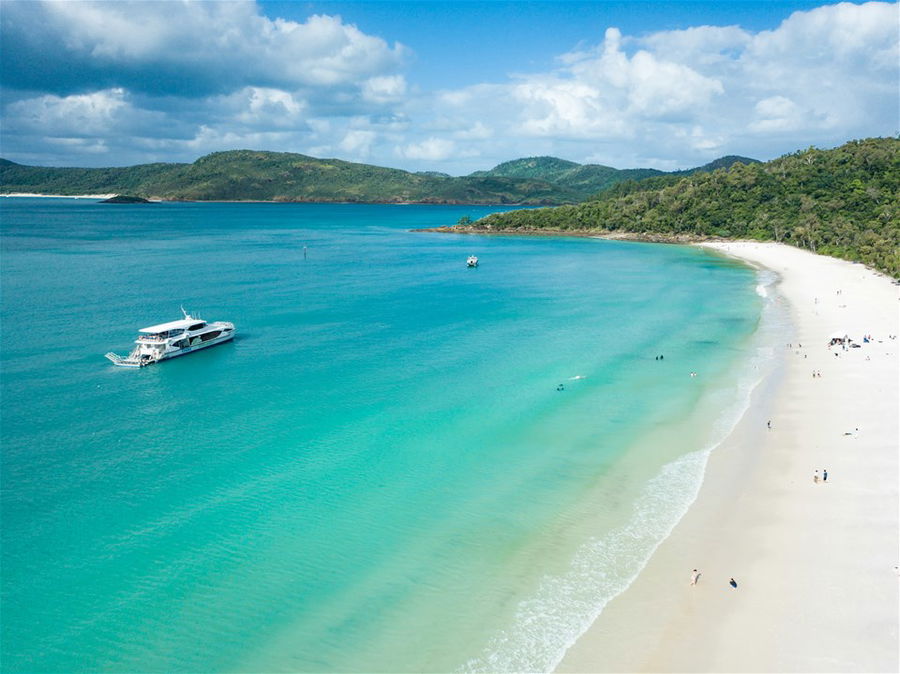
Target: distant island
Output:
[(125, 199), (843, 202), (246, 175)]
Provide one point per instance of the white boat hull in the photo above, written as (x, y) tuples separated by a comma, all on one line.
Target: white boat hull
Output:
[(197, 347), (161, 345)]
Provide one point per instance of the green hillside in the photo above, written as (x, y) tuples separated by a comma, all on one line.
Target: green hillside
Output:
[(722, 162), (545, 168), (245, 175), (585, 179), (588, 180), (843, 202)]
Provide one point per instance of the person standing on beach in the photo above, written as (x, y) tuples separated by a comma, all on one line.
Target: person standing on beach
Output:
[(695, 576), (816, 477), (825, 475)]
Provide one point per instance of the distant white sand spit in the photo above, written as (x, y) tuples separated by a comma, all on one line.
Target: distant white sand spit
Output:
[(59, 196)]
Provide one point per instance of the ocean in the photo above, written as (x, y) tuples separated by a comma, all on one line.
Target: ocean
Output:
[(399, 464)]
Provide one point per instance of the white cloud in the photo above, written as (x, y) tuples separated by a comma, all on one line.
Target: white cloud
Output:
[(230, 41), (72, 116), (260, 107), (430, 149), (701, 45), (357, 142), (552, 107), (777, 114), (820, 77), (172, 80), (384, 89), (659, 88), (477, 132)]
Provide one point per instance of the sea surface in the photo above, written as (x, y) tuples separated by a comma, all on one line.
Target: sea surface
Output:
[(381, 472)]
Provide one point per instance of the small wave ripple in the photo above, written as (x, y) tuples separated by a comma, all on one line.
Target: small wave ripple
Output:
[(546, 625)]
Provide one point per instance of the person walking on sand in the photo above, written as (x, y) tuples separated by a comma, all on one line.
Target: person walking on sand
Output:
[(769, 424), (733, 583), (816, 477), (824, 475), (695, 576)]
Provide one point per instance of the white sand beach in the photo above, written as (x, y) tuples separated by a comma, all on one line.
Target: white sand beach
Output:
[(59, 196), (815, 563)]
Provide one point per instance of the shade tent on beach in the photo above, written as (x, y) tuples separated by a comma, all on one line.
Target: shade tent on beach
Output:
[(840, 337)]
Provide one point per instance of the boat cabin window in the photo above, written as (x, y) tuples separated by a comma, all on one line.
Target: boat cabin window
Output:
[(197, 326)]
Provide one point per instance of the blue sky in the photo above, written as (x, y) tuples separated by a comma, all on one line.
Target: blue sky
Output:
[(446, 86), (461, 43)]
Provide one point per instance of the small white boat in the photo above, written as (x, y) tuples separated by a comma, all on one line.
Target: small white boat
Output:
[(472, 261), (175, 338)]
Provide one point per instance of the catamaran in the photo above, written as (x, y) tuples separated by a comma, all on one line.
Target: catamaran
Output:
[(175, 338)]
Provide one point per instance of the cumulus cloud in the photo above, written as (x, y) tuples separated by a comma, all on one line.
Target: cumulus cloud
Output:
[(148, 81), (89, 113), (357, 142), (384, 89), (179, 77), (98, 115), (189, 48), (431, 149), (822, 76)]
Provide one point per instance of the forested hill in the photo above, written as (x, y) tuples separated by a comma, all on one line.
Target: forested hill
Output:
[(585, 179), (245, 175), (588, 179), (843, 202)]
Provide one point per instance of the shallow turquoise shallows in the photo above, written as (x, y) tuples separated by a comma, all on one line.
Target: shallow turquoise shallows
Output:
[(379, 473)]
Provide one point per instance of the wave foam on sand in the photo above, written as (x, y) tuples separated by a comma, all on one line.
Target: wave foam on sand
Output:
[(565, 606), (814, 562)]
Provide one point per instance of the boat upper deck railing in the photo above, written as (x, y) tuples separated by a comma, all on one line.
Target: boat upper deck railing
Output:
[(158, 338)]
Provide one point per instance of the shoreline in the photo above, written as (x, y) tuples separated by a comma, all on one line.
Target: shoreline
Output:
[(815, 564), (36, 195), (575, 233), (282, 201)]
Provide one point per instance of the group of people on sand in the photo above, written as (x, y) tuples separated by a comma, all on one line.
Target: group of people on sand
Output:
[(824, 476), (695, 576)]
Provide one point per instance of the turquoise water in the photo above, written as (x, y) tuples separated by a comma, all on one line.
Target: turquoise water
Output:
[(379, 473)]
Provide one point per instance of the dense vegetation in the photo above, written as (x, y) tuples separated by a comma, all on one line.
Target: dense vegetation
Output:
[(125, 199), (585, 179), (843, 202), (244, 175)]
